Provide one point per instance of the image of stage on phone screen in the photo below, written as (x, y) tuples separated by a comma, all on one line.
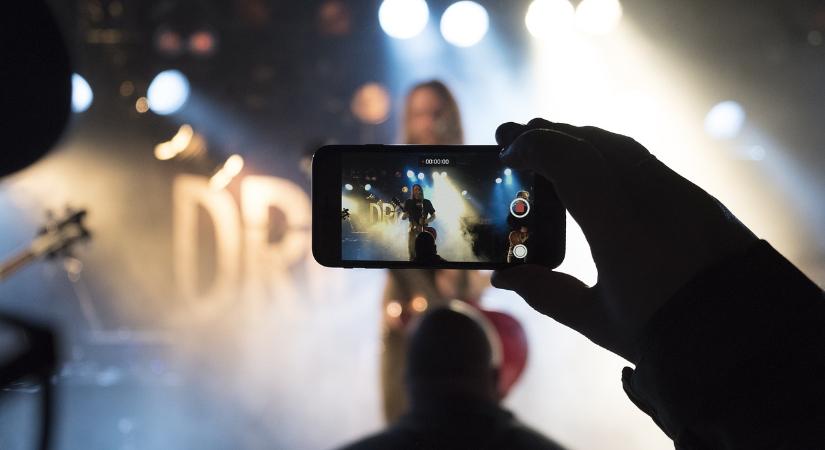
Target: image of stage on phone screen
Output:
[(430, 209)]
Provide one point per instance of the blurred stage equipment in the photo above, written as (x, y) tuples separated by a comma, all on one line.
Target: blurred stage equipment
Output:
[(40, 73), (464, 23), (55, 239), (38, 356)]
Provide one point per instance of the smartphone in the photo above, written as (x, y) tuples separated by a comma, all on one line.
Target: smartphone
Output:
[(431, 206)]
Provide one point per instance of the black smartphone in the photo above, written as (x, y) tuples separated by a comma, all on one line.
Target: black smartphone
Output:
[(431, 206)]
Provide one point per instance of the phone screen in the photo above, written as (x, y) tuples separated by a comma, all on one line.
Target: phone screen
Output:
[(433, 208)]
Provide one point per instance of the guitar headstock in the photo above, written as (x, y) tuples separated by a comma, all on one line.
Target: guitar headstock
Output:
[(58, 235), (397, 203)]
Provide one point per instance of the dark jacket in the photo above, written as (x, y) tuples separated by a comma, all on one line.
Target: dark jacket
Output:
[(459, 424)]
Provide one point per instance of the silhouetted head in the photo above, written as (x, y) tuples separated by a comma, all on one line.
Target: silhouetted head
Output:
[(453, 351), (431, 115), (523, 194), (425, 246)]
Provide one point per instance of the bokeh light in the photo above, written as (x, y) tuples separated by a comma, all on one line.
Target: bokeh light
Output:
[(168, 92), (81, 94), (547, 18), (598, 16), (464, 23), (725, 120), (403, 19)]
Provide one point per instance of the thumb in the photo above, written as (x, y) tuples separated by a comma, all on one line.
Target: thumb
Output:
[(555, 294)]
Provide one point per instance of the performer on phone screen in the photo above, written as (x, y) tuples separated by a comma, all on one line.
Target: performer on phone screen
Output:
[(420, 212)]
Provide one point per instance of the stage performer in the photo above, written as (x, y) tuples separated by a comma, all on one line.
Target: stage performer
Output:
[(420, 213)]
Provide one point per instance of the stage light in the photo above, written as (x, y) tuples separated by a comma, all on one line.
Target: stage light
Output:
[(411, 174), (443, 174), (598, 16), (420, 175), (403, 19), (367, 187), (463, 193), (81, 94), (508, 172), (348, 187), (725, 119), (464, 23), (545, 18), (168, 92), (498, 180)]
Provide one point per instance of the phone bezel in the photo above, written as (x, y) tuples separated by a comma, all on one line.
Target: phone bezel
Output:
[(326, 209)]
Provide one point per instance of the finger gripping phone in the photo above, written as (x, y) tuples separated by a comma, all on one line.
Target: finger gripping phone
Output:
[(422, 206)]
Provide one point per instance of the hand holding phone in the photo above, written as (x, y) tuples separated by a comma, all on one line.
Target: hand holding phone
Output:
[(431, 207), (649, 229)]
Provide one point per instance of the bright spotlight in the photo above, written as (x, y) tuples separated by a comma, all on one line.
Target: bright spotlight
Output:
[(420, 175), (725, 120), (367, 187), (546, 17), (508, 172), (411, 174), (464, 23), (81, 94), (403, 19), (498, 180), (463, 193), (168, 92), (598, 16), (443, 174), (348, 187)]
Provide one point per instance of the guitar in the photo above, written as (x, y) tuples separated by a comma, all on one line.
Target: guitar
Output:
[(54, 239), (418, 227)]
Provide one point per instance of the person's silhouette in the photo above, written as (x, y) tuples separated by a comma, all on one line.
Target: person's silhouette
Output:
[(426, 251), (451, 379), (726, 335)]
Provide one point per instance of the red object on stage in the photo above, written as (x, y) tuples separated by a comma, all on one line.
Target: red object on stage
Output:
[(514, 349)]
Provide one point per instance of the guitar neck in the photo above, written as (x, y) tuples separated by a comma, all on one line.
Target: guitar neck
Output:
[(16, 263)]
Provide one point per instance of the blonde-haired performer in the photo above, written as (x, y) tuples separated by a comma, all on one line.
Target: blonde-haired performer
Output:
[(431, 117)]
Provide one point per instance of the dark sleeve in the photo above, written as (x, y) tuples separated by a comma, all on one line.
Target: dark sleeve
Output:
[(408, 204), (736, 359), (428, 207)]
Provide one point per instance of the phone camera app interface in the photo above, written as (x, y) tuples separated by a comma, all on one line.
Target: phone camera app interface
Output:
[(431, 209)]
